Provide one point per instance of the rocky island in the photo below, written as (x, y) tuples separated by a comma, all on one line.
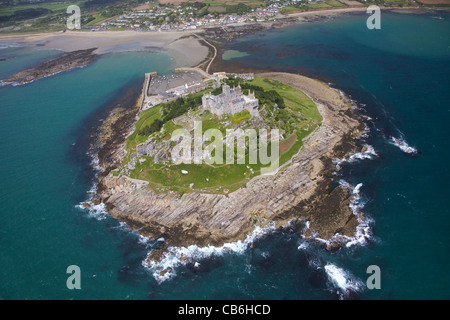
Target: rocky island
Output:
[(301, 194), (189, 204), (69, 60)]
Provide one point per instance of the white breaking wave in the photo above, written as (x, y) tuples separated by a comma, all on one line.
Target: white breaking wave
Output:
[(369, 153), (342, 280), (177, 256), (366, 132), (97, 211), (10, 45), (403, 145), (363, 231)]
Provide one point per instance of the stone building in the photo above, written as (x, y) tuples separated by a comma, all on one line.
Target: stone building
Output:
[(230, 101)]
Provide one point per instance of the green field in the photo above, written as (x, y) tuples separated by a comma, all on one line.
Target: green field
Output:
[(54, 6), (251, 3), (22, 18), (311, 6), (98, 18), (145, 118), (290, 9), (296, 100), (220, 178)]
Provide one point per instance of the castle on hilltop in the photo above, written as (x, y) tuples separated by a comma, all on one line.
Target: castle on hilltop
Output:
[(230, 101)]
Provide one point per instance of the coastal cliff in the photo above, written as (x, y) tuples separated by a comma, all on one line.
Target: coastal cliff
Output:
[(301, 191)]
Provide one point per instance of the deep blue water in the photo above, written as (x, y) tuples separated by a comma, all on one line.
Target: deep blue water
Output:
[(400, 77)]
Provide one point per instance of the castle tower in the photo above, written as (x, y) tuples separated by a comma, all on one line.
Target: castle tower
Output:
[(238, 90), (205, 101), (226, 89)]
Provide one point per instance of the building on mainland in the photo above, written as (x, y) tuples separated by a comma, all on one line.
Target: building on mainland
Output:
[(230, 101)]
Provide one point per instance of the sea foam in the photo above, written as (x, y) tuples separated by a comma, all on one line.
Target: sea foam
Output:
[(403, 145), (343, 281), (369, 153), (97, 211), (363, 231), (174, 257)]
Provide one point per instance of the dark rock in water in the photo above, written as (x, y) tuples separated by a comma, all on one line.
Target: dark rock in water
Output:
[(205, 265), (130, 273), (304, 258), (123, 274), (318, 278), (163, 272), (268, 263), (350, 295)]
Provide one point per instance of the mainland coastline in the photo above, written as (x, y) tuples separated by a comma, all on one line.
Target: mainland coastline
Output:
[(188, 48)]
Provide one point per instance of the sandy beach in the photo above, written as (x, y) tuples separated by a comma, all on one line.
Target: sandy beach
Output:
[(187, 51)]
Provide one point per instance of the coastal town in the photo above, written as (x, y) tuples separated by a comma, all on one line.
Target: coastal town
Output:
[(182, 17), (158, 17), (172, 15)]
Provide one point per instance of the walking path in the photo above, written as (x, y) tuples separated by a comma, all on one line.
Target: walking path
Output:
[(215, 52)]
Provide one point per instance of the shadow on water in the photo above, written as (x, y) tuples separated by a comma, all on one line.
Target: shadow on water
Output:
[(133, 253), (85, 133)]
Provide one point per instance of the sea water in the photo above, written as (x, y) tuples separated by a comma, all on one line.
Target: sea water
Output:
[(399, 76)]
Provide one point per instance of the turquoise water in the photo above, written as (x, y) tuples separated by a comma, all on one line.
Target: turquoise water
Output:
[(233, 54), (400, 77), (44, 176)]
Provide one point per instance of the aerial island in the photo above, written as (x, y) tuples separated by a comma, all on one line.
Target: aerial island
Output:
[(219, 203)]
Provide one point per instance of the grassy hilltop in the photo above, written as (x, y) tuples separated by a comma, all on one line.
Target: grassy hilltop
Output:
[(281, 106)]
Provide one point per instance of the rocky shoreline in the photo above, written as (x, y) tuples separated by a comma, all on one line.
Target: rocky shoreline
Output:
[(300, 192), (231, 32), (78, 58)]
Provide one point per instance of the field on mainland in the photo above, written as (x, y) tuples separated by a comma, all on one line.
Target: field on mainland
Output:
[(219, 6), (221, 178), (54, 6), (327, 4), (213, 3)]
